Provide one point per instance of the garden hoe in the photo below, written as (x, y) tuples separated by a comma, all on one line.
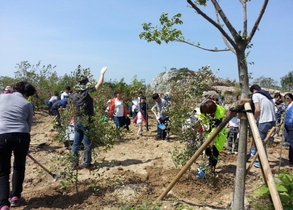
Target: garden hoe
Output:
[(55, 177)]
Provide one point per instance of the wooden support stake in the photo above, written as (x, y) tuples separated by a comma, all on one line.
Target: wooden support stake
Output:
[(263, 160), (197, 153), (256, 154)]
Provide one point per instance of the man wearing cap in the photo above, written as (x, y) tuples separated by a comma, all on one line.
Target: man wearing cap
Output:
[(66, 92), (264, 113), (84, 110)]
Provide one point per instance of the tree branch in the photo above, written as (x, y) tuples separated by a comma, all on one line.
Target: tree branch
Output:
[(225, 20), (194, 45), (224, 39), (255, 27), (213, 23), (244, 17)]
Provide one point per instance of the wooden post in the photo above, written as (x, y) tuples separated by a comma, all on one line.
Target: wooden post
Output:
[(263, 160), (197, 154), (256, 154)]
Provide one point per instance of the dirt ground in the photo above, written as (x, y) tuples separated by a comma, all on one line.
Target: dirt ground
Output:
[(136, 171)]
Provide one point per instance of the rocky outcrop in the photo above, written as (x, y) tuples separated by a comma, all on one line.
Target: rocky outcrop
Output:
[(161, 83)]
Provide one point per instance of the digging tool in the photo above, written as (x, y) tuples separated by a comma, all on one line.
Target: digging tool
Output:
[(160, 125), (43, 167)]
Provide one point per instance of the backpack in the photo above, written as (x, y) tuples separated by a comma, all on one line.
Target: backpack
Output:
[(264, 93)]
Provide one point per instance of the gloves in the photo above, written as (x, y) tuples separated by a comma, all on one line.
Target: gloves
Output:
[(103, 70)]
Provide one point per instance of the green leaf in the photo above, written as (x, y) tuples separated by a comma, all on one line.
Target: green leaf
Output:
[(281, 188), (262, 190), (285, 198)]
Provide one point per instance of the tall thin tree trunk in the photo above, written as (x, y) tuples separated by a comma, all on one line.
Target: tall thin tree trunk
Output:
[(239, 188)]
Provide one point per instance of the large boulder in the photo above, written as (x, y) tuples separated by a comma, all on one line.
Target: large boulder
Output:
[(161, 83)]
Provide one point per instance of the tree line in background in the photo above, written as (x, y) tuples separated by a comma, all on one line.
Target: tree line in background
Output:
[(48, 83)]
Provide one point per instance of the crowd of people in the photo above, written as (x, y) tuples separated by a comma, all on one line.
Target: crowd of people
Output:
[(16, 122)]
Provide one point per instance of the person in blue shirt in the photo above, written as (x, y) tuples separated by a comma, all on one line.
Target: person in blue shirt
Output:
[(59, 104), (55, 109), (288, 121)]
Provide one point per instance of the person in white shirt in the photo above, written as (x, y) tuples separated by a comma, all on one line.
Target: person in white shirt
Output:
[(264, 113), (233, 126), (51, 101), (66, 92), (135, 105)]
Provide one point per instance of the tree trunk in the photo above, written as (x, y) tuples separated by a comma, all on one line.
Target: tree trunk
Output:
[(239, 188)]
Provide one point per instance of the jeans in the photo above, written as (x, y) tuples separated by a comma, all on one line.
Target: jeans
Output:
[(19, 144), (50, 107), (134, 113), (119, 121), (160, 132), (289, 130), (232, 137), (82, 135), (285, 133), (263, 129)]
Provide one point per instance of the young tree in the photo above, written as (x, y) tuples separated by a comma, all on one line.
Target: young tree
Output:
[(237, 42), (65, 80), (266, 82), (43, 77), (287, 82), (6, 81)]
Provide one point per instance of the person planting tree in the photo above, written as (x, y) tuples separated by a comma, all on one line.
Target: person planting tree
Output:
[(162, 116), (212, 114)]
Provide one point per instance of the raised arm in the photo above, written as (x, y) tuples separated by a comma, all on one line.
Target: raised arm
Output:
[(101, 79)]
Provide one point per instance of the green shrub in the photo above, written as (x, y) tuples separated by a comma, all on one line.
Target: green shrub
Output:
[(284, 184)]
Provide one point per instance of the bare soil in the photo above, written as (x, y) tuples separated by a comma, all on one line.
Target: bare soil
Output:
[(135, 171)]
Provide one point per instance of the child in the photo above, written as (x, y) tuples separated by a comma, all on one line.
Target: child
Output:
[(233, 126), (143, 106), (139, 119)]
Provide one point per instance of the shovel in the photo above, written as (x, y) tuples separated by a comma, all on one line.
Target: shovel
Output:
[(160, 125), (55, 177)]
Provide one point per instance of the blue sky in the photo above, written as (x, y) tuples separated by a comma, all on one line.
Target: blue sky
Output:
[(96, 33)]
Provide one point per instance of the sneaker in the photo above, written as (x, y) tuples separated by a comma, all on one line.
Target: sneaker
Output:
[(236, 153), (89, 167), (252, 152), (228, 153), (4, 208), (286, 144), (15, 201), (256, 164)]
